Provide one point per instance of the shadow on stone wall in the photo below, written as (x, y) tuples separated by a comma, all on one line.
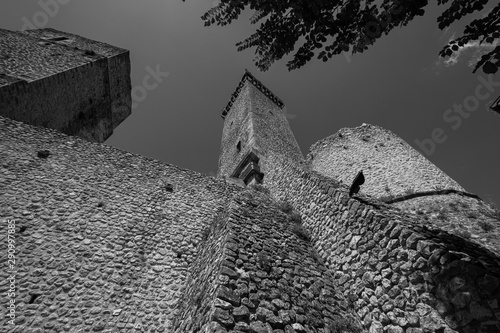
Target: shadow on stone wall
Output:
[(400, 274), (269, 278)]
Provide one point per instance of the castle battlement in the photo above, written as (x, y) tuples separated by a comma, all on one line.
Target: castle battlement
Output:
[(247, 76)]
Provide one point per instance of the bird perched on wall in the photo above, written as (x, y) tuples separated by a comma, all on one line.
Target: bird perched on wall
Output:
[(358, 181)]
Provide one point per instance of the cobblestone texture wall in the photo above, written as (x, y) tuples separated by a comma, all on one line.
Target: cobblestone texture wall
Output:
[(463, 216), (272, 131), (391, 166), (259, 125), (120, 87), (102, 240), (197, 300), (108, 240), (74, 41), (118, 66), (76, 102), (237, 128), (400, 274), (268, 277), (30, 59), (63, 81)]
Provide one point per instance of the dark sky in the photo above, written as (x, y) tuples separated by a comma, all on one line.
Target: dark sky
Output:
[(400, 84)]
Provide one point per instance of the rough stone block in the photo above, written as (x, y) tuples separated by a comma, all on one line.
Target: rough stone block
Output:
[(241, 313), (489, 284), (223, 317), (228, 295), (394, 329), (376, 327), (259, 327), (264, 314), (478, 311)]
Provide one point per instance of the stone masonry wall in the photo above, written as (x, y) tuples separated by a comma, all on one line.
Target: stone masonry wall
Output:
[(118, 65), (237, 127), (268, 277), (76, 102), (120, 87), (55, 79), (76, 42), (399, 274), (104, 238), (29, 58), (391, 166), (259, 125), (196, 303), (272, 131), (463, 216)]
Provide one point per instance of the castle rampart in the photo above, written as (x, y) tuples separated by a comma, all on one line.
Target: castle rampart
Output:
[(399, 274), (59, 80), (397, 174), (101, 233), (109, 240), (268, 278)]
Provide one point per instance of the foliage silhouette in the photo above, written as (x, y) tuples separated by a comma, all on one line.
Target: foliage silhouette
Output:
[(324, 28)]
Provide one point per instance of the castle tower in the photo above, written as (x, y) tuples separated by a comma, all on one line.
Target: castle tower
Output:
[(254, 126), (55, 79), (390, 165)]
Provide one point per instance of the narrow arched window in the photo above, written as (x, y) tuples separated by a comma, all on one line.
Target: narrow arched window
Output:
[(238, 146)]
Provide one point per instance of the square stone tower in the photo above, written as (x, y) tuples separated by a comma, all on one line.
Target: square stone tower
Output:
[(254, 126), (63, 81)]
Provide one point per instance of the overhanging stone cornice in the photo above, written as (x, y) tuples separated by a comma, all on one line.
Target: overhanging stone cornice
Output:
[(247, 76)]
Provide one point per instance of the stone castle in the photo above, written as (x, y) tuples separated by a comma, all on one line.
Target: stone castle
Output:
[(108, 241), (59, 80)]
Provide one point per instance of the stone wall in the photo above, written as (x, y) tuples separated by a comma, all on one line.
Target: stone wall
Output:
[(458, 214), (272, 130), (64, 81), (197, 301), (268, 279), (73, 41), (118, 65), (400, 274), (76, 102), (391, 166), (237, 128), (120, 87), (254, 123), (29, 58), (104, 238), (110, 240)]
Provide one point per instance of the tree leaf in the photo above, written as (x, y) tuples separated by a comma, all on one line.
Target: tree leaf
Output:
[(490, 68), (307, 25)]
